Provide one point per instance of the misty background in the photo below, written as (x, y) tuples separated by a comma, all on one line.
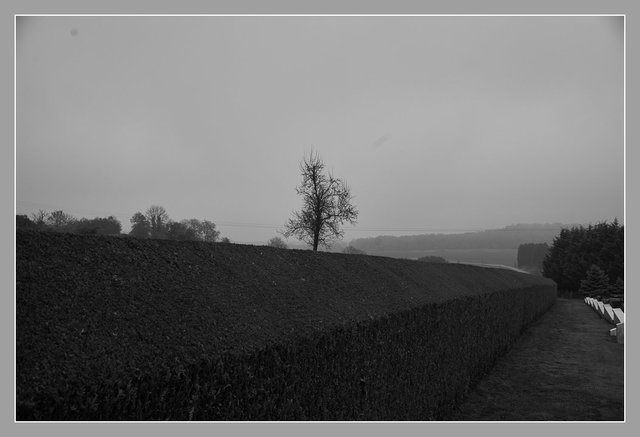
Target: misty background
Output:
[(438, 124)]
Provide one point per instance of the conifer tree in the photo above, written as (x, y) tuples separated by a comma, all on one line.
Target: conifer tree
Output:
[(596, 284), (617, 289), (576, 249)]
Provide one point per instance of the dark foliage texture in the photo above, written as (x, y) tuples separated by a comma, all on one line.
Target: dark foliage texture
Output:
[(575, 250), (596, 284), (129, 329), (59, 221)]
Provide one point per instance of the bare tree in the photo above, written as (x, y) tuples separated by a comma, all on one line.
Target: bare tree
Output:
[(59, 219), (327, 205), (208, 231), (39, 218), (158, 221), (204, 230)]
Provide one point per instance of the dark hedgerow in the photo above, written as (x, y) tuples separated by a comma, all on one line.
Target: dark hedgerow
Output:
[(126, 329)]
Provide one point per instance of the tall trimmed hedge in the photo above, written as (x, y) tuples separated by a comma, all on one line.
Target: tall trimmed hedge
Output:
[(125, 329)]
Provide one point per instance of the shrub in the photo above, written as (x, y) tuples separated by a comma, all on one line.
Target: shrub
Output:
[(432, 259)]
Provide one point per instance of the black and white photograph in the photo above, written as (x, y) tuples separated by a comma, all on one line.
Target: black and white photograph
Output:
[(320, 218)]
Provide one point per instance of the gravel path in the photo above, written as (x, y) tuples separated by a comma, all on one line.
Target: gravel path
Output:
[(565, 367)]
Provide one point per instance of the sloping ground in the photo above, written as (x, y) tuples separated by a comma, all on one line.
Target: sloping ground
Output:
[(565, 367), (91, 307)]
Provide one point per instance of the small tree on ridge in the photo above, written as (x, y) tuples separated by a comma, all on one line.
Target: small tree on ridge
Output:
[(158, 220), (139, 226)]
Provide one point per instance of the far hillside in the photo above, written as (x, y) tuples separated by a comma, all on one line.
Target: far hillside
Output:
[(493, 246)]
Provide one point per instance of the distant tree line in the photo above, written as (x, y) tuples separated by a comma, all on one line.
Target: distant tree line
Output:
[(578, 250), (153, 223), (509, 237), (60, 221), (531, 256)]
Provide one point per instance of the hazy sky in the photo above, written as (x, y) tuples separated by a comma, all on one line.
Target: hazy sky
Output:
[(436, 123)]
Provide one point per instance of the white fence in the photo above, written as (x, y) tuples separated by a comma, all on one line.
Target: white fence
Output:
[(615, 316)]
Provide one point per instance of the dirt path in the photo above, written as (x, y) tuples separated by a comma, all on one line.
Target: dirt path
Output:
[(565, 367)]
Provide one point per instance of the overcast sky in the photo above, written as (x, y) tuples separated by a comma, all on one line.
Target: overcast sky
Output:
[(436, 123)]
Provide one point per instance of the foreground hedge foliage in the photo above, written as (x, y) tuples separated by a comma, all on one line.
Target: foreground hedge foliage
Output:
[(113, 329)]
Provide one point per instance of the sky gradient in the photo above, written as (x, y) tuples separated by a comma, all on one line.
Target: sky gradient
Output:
[(436, 123)]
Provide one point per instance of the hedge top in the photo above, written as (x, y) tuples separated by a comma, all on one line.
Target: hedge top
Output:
[(128, 301)]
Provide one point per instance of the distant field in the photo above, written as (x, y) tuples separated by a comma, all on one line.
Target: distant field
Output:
[(505, 257)]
